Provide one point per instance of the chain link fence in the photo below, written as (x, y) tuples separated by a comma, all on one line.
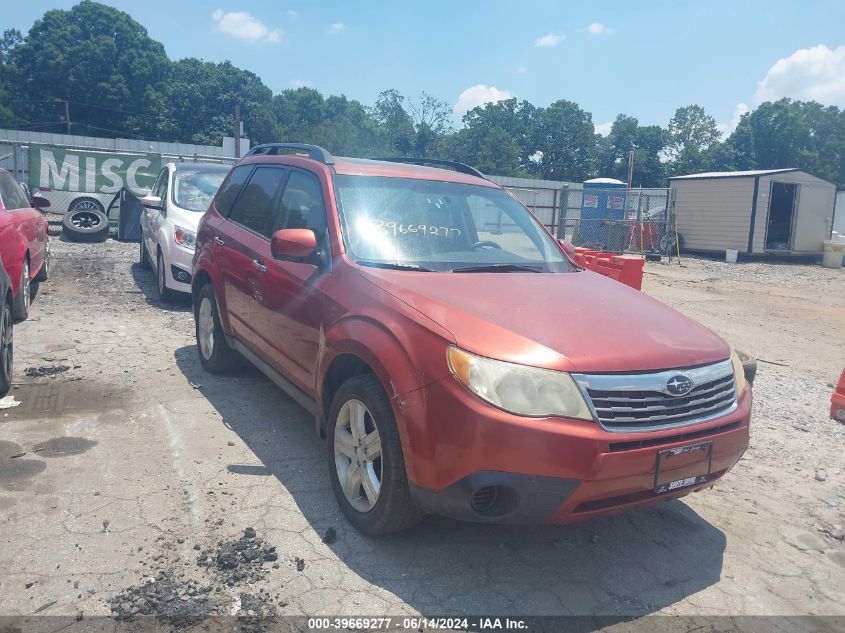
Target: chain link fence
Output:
[(617, 220)]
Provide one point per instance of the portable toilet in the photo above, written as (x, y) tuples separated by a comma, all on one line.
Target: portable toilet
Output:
[(602, 223)]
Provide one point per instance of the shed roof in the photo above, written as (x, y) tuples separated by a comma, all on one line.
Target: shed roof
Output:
[(733, 174)]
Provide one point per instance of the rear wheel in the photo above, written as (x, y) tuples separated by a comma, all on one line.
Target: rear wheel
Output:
[(215, 354), (366, 464), (24, 293), (6, 348)]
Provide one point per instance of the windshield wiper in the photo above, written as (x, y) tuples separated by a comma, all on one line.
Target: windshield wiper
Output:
[(498, 268), (392, 265)]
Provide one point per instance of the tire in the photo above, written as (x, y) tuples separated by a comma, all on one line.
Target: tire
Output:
[(85, 225), (393, 508), (86, 204), (215, 354), (144, 256), (22, 301), (44, 273), (749, 366), (165, 294), (7, 348)]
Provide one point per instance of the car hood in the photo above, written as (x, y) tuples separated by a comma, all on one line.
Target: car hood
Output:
[(578, 321), (183, 217)]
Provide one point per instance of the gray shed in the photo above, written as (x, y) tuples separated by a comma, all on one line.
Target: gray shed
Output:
[(785, 211)]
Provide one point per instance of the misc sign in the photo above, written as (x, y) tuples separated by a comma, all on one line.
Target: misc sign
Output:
[(91, 172)]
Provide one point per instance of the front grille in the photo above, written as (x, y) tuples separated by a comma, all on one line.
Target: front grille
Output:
[(641, 402)]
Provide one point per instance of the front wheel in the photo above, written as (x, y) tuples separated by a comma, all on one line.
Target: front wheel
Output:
[(366, 463), (143, 257), (24, 293), (165, 294), (6, 348)]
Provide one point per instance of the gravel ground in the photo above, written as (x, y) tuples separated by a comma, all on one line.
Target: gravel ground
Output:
[(140, 471)]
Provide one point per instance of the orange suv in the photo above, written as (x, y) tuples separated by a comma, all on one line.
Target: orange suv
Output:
[(454, 358)]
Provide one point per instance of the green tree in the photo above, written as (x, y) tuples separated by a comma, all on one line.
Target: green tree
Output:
[(691, 132), (788, 133), (497, 137), (565, 135), (200, 103), (93, 55), (394, 122)]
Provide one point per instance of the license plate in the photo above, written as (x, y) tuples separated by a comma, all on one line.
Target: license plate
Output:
[(682, 467)]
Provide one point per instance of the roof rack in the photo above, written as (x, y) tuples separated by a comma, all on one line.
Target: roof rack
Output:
[(459, 167), (315, 152)]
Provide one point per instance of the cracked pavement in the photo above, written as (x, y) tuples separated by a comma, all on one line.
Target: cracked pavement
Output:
[(150, 456)]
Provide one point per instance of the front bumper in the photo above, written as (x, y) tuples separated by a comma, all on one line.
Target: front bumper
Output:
[(179, 268), (471, 461)]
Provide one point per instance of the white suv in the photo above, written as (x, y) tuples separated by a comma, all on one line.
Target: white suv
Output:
[(172, 211)]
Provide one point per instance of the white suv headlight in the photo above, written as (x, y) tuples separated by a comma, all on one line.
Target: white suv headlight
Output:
[(185, 238), (519, 389)]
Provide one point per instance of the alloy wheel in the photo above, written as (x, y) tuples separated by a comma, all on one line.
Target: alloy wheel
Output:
[(357, 455), (205, 328), (25, 283), (6, 343), (85, 219)]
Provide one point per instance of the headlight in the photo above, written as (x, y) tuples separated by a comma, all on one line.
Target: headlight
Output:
[(519, 389), (739, 373), (184, 237)]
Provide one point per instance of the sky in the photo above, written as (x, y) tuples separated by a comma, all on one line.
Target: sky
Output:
[(644, 59)]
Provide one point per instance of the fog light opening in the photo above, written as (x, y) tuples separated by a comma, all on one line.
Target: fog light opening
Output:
[(494, 501)]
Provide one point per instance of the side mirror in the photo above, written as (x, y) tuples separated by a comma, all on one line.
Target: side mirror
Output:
[(293, 244), (568, 247), (39, 202), (151, 202)]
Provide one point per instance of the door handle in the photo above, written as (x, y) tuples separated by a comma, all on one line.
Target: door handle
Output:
[(259, 266), (218, 241)]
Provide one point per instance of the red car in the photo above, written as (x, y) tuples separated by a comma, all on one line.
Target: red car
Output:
[(456, 360), (24, 245), (837, 400)]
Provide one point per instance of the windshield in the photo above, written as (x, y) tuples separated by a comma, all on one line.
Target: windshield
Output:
[(193, 189), (442, 226)]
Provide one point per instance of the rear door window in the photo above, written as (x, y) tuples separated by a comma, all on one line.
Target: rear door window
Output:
[(257, 206), (230, 189)]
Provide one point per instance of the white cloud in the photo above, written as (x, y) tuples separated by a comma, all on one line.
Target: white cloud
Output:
[(300, 83), (552, 39), (597, 28), (478, 95), (816, 74), (243, 26), (604, 128), (520, 70), (337, 27), (291, 13), (726, 129)]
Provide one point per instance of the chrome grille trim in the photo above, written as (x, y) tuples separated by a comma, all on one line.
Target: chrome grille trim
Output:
[(636, 402)]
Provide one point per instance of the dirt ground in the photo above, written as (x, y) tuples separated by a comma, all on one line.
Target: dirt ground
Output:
[(141, 474)]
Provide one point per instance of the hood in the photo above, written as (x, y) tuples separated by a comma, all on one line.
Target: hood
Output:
[(578, 321), (183, 217)]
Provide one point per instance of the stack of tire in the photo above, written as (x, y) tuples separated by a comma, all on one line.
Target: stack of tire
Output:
[(85, 221)]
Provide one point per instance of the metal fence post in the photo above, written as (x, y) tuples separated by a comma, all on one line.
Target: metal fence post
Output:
[(564, 212)]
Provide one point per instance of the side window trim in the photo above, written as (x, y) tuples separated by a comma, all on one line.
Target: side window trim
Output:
[(276, 199)]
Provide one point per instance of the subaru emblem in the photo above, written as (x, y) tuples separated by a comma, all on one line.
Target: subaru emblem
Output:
[(679, 385)]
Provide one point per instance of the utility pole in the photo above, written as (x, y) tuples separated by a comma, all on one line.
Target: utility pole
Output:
[(67, 117), (237, 130), (630, 168)]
